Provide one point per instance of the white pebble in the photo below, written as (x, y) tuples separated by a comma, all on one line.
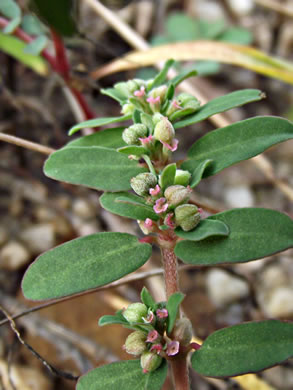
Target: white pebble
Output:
[(279, 303), (242, 7), (240, 196), (224, 288), (13, 256), (39, 238)]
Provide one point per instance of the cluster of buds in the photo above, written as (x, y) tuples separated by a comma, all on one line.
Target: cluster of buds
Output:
[(171, 205), (149, 341)]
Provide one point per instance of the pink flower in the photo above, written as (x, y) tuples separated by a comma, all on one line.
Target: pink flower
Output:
[(195, 346), (148, 223), (146, 140), (153, 335), (160, 206), (173, 348), (169, 222), (150, 318), (162, 313), (172, 147), (155, 191), (176, 105), (152, 100), (157, 348), (140, 92)]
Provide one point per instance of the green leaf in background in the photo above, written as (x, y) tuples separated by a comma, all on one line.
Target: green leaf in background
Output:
[(123, 375), (15, 47), (95, 167), (254, 233), (240, 141), (168, 176), (221, 104), (12, 25), (114, 94), (237, 35), (172, 306), (198, 172), (37, 45), (183, 76), (58, 14), (82, 264), (108, 138), (127, 205), (206, 228), (10, 9), (98, 122), (181, 27), (211, 30), (32, 25), (147, 299), (162, 75), (134, 150), (112, 320), (248, 347)]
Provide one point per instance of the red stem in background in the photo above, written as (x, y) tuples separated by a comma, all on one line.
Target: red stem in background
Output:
[(59, 64)]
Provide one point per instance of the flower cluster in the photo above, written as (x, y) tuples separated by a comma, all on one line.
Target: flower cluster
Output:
[(149, 340)]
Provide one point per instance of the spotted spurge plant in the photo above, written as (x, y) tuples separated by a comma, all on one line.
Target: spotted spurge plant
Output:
[(134, 167)]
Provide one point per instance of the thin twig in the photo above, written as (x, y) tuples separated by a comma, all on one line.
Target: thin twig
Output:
[(220, 120), (120, 282), (275, 5), (26, 144), (52, 369)]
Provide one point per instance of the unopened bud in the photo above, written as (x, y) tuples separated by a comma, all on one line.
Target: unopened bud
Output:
[(142, 183), (132, 134), (187, 216), (135, 344), (135, 312), (182, 177), (177, 194), (188, 105), (182, 331), (164, 131), (127, 108), (128, 88), (150, 361)]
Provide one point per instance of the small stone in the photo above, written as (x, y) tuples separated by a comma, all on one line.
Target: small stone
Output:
[(280, 377), (240, 196), (243, 7), (39, 238), (83, 209), (13, 256), (224, 288), (3, 236), (279, 303)]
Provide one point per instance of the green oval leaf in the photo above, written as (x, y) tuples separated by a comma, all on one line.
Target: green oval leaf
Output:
[(254, 233), (168, 176), (199, 172), (147, 298), (58, 14), (172, 306), (15, 48), (98, 122), (108, 138), (84, 263), (10, 9), (127, 205), (94, 167), (114, 94), (112, 320), (221, 104), (248, 347), (183, 76), (240, 141), (133, 150), (206, 228), (37, 45), (123, 376)]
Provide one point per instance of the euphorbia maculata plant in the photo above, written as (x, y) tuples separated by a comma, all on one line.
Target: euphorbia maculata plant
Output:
[(134, 166)]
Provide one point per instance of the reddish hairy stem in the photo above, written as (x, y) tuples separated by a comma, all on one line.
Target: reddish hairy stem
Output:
[(180, 373), (171, 271), (61, 57)]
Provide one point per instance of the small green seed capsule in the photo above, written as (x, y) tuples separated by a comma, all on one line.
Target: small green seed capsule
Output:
[(164, 131), (187, 216), (188, 105), (182, 177), (142, 183), (132, 134), (182, 331), (135, 312), (177, 194), (127, 108), (135, 343), (150, 361)]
